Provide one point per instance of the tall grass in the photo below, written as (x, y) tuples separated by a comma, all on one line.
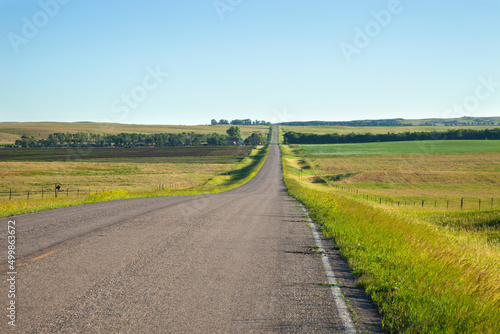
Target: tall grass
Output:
[(423, 277)]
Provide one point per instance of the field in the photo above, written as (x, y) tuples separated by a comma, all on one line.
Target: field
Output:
[(12, 131), (395, 211), (343, 130), (412, 147), (28, 176), (440, 173), (137, 154)]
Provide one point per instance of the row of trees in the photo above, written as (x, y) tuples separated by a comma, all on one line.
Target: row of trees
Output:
[(334, 138), (247, 121), (82, 139), (382, 122)]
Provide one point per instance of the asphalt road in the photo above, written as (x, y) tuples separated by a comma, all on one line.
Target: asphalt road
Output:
[(237, 262)]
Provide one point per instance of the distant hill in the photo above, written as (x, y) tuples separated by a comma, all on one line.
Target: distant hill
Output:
[(463, 121)]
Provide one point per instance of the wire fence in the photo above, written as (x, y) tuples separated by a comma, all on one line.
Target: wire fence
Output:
[(46, 193), (43, 193), (462, 203), (162, 186)]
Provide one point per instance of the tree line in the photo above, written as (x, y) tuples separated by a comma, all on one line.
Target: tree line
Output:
[(464, 121), (381, 122), (83, 139), (291, 137), (247, 121)]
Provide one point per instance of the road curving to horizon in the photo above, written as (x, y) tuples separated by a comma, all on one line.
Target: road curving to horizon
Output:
[(236, 262)]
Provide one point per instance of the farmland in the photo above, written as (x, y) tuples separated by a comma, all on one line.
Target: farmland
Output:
[(12, 131), (395, 212), (344, 130), (408, 147), (28, 176), (437, 172), (149, 154)]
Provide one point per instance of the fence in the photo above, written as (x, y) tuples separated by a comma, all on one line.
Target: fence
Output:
[(46, 193), (43, 193), (162, 186), (462, 203)]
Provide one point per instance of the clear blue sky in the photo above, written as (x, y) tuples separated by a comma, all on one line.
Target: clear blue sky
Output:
[(188, 61)]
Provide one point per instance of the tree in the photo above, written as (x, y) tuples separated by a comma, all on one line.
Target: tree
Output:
[(223, 121), (234, 132), (214, 122), (255, 139)]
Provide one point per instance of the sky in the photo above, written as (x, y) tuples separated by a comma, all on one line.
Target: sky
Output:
[(190, 61)]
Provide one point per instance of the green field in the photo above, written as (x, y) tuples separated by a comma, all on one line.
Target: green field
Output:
[(411, 147)]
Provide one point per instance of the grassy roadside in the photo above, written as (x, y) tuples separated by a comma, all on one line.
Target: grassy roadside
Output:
[(425, 277), (242, 173)]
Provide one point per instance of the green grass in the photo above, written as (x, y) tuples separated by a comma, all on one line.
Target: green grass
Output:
[(409, 147)]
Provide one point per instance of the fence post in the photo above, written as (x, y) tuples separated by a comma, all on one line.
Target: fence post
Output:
[(479, 204), (422, 203), (67, 192), (78, 192), (462, 203), (28, 195), (42, 193), (10, 195)]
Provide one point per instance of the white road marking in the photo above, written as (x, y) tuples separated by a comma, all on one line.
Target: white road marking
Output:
[(332, 280)]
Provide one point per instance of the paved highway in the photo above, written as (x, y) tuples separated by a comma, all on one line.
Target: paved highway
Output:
[(237, 262)]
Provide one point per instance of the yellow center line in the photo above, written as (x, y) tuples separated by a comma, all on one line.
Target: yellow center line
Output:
[(37, 258)]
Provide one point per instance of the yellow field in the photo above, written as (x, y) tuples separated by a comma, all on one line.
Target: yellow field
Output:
[(137, 177)]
